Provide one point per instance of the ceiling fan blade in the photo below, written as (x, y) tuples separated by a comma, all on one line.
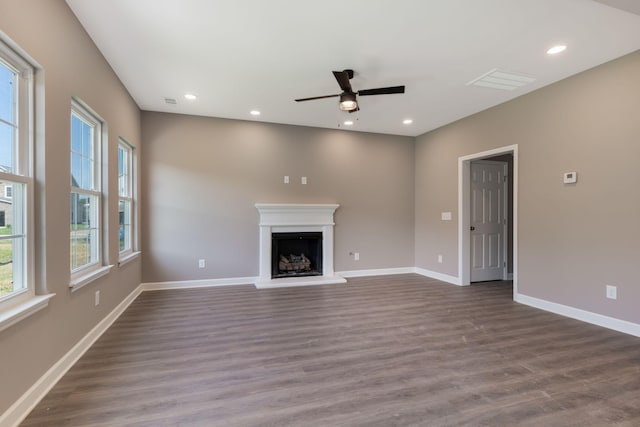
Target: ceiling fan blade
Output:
[(343, 80), (316, 97), (382, 91)]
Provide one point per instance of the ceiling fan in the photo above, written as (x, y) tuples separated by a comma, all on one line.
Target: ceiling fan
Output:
[(348, 100)]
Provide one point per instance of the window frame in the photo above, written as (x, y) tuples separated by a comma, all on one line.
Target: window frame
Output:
[(96, 268), (127, 196), (23, 301)]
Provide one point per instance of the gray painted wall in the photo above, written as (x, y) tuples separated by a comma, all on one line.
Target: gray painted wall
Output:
[(71, 66), (203, 176), (573, 239)]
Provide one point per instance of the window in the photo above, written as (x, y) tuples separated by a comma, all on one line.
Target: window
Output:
[(16, 130), (86, 221), (125, 198)]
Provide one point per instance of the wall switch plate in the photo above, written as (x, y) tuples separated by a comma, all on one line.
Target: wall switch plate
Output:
[(97, 298), (303, 180), (612, 292), (356, 256), (201, 263), (446, 216), (570, 177), (439, 259), (286, 179)]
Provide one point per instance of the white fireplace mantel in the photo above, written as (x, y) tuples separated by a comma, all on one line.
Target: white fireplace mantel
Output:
[(296, 218)]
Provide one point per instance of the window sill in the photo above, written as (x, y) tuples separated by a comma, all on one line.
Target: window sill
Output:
[(81, 281), (128, 258), (24, 310)]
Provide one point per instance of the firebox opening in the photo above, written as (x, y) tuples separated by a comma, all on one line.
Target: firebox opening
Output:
[(296, 254)]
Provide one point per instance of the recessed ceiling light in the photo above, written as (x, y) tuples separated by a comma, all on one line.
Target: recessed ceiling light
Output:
[(407, 121), (255, 113), (348, 123), (557, 49), (190, 96)]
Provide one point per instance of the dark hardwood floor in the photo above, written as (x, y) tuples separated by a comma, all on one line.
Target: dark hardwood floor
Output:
[(380, 351)]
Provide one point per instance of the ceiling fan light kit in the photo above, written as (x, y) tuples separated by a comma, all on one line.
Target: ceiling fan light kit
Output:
[(348, 101)]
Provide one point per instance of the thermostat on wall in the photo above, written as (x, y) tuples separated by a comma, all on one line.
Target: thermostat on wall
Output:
[(570, 177)]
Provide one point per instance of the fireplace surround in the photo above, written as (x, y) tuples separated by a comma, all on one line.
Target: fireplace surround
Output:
[(296, 218)]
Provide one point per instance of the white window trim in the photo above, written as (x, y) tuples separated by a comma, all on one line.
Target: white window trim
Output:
[(18, 312), (124, 260), (80, 280), (23, 303), (90, 272)]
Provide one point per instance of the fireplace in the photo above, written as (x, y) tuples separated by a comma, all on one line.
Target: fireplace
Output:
[(296, 254), (296, 245)]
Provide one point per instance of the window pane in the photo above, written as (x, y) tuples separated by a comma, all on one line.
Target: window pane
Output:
[(7, 139), (11, 259), (7, 94), (87, 140), (76, 134), (124, 229), (6, 265), (87, 172), (123, 166), (84, 233), (82, 154), (76, 170), (121, 154)]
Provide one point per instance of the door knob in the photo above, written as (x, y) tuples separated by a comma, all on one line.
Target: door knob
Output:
[(472, 228)]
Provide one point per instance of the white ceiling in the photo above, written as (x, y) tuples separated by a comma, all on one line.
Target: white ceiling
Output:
[(240, 55)]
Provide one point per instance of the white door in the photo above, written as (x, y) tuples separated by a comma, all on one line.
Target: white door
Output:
[(487, 220)]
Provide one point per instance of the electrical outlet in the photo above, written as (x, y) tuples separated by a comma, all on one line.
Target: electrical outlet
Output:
[(303, 180), (97, 298), (286, 179), (356, 256), (201, 263), (439, 259), (612, 292)]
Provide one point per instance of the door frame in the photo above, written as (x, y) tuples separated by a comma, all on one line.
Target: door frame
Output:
[(464, 212)]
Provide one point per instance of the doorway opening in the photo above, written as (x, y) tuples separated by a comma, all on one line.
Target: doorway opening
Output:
[(487, 226)]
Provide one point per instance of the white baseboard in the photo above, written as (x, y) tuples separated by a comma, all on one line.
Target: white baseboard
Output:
[(583, 315), (25, 404), (438, 276), (376, 272), (206, 283)]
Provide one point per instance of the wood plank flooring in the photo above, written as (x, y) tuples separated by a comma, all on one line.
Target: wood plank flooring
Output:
[(380, 351)]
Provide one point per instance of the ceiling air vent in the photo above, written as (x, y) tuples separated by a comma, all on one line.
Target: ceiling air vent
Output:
[(503, 80), (170, 101)]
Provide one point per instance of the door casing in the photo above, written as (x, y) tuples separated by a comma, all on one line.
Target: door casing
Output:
[(464, 209)]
